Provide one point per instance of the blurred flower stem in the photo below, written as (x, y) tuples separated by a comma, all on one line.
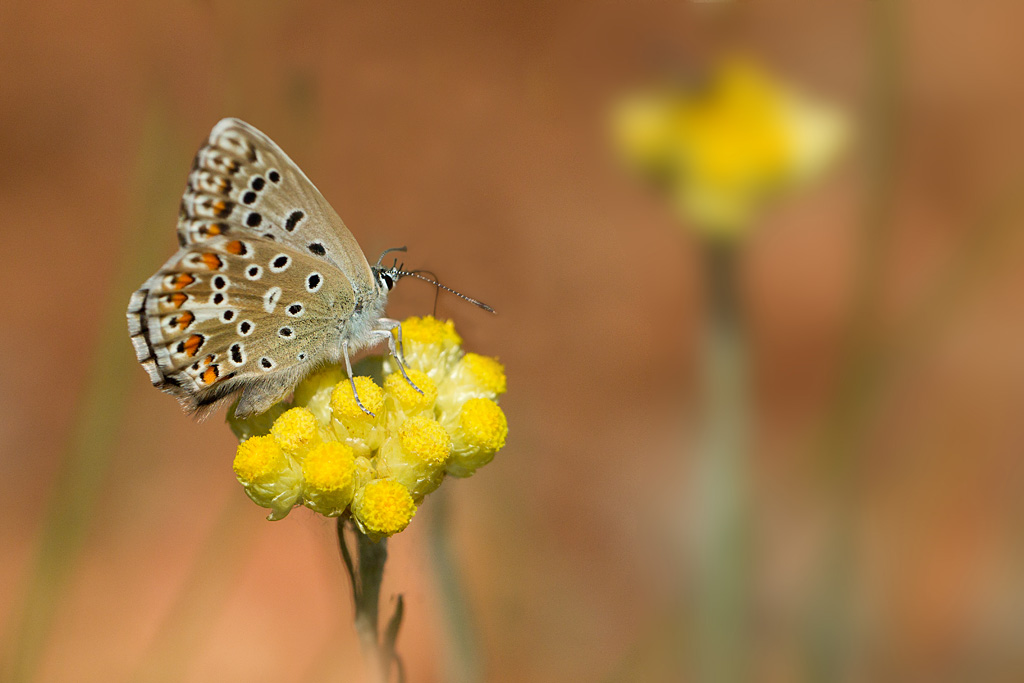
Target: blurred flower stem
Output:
[(722, 487), (366, 572), (70, 509), (462, 661), (830, 639)]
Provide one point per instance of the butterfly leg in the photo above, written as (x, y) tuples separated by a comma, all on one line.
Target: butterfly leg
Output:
[(388, 326), (351, 379)]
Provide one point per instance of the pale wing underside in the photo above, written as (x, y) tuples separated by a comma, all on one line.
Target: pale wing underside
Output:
[(242, 181), (238, 314)]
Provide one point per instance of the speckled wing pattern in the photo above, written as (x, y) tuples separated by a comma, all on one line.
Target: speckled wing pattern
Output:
[(268, 281)]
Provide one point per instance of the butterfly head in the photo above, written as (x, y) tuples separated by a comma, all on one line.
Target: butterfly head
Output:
[(387, 277)]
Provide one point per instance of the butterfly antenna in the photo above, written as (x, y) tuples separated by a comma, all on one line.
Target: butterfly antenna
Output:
[(388, 251), (433, 280)]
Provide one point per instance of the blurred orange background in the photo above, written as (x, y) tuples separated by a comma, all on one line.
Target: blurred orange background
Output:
[(884, 328)]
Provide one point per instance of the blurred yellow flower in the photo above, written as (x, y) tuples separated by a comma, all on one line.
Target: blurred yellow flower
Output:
[(723, 149), (323, 451)]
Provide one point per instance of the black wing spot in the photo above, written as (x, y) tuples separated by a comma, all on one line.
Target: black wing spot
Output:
[(257, 183), (249, 197), (274, 176), (317, 249), (253, 219), (293, 220)]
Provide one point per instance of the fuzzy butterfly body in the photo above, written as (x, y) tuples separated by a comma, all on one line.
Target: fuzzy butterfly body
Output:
[(268, 282)]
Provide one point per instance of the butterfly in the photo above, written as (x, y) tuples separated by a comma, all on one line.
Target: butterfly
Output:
[(267, 285)]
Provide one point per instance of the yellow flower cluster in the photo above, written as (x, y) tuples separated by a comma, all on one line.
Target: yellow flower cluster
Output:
[(323, 451), (721, 149)]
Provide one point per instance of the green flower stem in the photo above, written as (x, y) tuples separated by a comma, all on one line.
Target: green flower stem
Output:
[(829, 635), (367, 573), (463, 661), (722, 487)]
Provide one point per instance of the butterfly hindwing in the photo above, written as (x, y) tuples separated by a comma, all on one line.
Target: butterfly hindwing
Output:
[(229, 314)]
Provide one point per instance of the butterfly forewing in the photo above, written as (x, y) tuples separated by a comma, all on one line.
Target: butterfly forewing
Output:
[(242, 182)]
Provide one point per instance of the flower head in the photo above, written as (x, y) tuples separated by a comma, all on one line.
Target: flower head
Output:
[(383, 508), (324, 451), (417, 457), (722, 149), (479, 432), (329, 477), (270, 478), (296, 430), (408, 398)]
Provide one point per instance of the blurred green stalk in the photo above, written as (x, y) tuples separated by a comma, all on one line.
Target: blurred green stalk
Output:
[(722, 495), (366, 573), (462, 661), (829, 637), (71, 508)]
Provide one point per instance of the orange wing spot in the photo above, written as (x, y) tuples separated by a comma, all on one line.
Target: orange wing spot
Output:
[(211, 230), (182, 280), (212, 261), (183, 321), (221, 208), (210, 374), (192, 344), (177, 299), (236, 247)]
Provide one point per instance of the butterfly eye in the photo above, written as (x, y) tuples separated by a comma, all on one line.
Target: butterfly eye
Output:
[(386, 280)]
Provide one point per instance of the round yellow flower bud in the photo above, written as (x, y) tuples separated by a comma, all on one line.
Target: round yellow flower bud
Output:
[(473, 376), (343, 402), (479, 433), (259, 460), (406, 396), (487, 372), (429, 345), (425, 439), (269, 477), (383, 508), (329, 471), (353, 426), (417, 457), (429, 330), (296, 429)]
